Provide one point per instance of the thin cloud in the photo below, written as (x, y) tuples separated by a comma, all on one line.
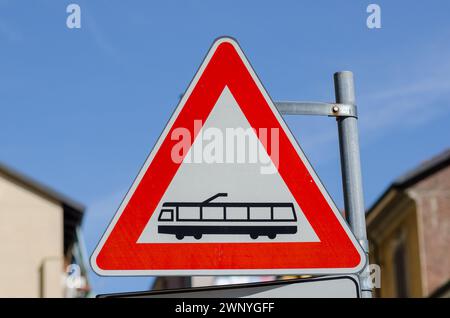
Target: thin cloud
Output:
[(98, 36), (415, 104)]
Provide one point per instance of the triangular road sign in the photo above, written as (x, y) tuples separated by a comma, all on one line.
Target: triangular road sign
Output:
[(227, 190)]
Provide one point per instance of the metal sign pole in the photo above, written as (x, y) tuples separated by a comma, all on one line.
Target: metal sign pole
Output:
[(346, 115), (351, 171)]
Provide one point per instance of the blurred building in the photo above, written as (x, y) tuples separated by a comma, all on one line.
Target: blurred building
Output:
[(409, 232), (41, 251), (171, 282), (175, 282)]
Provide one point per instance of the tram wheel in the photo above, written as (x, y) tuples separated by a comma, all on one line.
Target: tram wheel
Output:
[(179, 236), (197, 236)]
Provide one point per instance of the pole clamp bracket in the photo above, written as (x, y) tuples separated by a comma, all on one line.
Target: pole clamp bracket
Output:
[(317, 108)]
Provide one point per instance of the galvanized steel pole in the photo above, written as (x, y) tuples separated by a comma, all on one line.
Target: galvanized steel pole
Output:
[(351, 171)]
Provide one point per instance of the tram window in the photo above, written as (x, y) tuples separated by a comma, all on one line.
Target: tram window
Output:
[(283, 213), (188, 213), (213, 213), (260, 213), (166, 215), (236, 213)]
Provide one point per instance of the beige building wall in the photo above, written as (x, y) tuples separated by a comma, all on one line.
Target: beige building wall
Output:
[(200, 281), (31, 243), (401, 228)]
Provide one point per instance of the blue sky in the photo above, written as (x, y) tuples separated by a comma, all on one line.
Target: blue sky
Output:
[(82, 108)]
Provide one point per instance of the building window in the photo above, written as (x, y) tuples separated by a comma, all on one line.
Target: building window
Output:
[(400, 269)]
